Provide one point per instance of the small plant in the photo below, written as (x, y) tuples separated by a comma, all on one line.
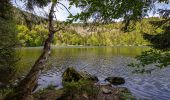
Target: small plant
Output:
[(127, 96), (45, 90), (76, 90), (4, 92)]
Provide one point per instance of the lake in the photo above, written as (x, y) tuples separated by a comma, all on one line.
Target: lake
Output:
[(101, 62)]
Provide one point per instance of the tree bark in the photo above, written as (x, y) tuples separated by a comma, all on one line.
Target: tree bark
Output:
[(27, 85)]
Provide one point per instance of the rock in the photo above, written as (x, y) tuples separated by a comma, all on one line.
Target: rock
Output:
[(115, 80), (85, 96), (105, 90), (94, 78), (108, 92), (123, 89), (87, 76), (70, 74), (125, 94)]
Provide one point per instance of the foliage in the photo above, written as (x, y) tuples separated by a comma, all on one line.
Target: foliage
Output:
[(110, 35), (44, 90), (105, 11), (76, 90), (8, 42), (5, 92), (159, 58), (103, 35), (127, 96), (160, 40), (35, 37), (5, 10)]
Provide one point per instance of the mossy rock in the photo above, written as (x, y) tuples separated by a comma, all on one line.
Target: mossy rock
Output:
[(93, 78), (125, 94), (89, 77), (115, 80), (70, 74)]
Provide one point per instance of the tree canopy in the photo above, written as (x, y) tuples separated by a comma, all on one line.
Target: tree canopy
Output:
[(108, 10)]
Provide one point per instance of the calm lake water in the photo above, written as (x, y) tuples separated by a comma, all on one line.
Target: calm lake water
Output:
[(101, 62)]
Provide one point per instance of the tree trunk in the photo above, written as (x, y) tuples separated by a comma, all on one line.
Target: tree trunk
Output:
[(27, 85)]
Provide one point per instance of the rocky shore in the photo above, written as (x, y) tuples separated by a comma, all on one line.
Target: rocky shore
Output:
[(83, 86)]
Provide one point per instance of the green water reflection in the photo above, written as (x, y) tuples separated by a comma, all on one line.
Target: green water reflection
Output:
[(30, 54)]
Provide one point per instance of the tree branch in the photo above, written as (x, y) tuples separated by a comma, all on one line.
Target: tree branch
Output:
[(65, 7)]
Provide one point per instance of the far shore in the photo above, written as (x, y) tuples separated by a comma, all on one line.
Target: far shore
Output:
[(85, 46)]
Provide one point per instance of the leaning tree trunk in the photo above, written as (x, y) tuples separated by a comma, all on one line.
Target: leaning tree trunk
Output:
[(26, 86)]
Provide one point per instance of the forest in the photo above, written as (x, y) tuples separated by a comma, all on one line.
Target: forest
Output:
[(102, 50), (100, 35)]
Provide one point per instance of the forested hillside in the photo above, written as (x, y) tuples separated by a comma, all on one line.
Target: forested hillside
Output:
[(32, 31), (100, 35)]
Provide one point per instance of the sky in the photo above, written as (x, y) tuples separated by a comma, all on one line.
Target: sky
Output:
[(62, 13)]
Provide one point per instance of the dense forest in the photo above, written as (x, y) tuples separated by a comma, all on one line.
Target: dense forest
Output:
[(100, 35), (78, 34)]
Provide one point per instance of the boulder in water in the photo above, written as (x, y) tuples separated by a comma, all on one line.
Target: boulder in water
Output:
[(70, 74), (93, 78), (89, 77), (115, 80)]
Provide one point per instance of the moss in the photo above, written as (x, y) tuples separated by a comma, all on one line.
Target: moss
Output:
[(70, 75), (74, 90), (126, 95), (80, 89), (51, 87), (49, 93), (115, 80)]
